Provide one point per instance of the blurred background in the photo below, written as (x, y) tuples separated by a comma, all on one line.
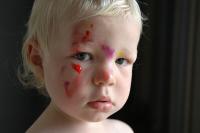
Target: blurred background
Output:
[(165, 95)]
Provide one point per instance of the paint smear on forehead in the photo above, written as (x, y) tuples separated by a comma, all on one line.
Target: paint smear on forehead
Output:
[(82, 34), (109, 52)]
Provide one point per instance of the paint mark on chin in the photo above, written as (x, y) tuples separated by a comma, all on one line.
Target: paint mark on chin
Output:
[(108, 51), (77, 68)]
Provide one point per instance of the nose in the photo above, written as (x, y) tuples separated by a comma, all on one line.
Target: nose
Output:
[(104, 77)]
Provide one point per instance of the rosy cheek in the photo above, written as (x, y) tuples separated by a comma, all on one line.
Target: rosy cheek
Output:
[(109, 52)]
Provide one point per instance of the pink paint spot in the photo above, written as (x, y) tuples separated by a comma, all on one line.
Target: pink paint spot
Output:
[(108, 51), (77, 68)]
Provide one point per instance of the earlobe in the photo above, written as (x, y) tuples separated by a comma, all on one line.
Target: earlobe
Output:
[(34, 55)]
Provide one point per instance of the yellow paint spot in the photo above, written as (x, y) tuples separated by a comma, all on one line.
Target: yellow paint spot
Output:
[(120, 53)]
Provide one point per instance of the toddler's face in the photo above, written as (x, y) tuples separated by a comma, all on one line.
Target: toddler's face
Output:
[(89, 68)]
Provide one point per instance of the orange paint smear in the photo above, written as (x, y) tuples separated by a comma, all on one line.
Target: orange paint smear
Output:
[(86, 37)]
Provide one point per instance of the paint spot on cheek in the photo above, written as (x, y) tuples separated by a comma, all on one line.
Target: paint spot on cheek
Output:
[(74, 87), (66, 87), (108, 51), (77, 68), (91, 25)]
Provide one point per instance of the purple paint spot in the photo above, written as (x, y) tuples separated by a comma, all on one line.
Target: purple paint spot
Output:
[(108, 51), (66, 85)]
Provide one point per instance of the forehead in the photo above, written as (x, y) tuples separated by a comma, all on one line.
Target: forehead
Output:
[(117, 32), (112, 30)]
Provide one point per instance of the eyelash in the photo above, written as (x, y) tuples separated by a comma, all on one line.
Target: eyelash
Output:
[(84, 56), (122, 63)]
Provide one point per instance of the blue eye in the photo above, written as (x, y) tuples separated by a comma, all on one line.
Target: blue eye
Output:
[(122, 61), (83, 56)]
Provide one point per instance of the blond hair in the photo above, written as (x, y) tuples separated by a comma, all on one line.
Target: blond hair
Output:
[(47, 15)]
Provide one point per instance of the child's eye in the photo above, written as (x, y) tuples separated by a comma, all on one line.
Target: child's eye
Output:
[(122, 61), (83, 56)]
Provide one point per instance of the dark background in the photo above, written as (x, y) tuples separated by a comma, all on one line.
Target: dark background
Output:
[(165, 96)]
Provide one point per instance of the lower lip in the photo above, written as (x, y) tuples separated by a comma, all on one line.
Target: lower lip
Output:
[(101, 106)]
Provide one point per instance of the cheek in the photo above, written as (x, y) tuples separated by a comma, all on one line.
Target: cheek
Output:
[(73, 87), (124, 86), (76, 83)]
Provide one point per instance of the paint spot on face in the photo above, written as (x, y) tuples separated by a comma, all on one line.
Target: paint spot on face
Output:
[(75, 86), (66, 86), (91, 25), (77, 68), (86, 37), (109, 52), (120, 53)]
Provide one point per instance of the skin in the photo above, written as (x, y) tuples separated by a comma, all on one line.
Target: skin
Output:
[(105, 56)]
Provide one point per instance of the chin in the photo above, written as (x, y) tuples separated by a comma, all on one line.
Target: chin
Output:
[(96, 118)]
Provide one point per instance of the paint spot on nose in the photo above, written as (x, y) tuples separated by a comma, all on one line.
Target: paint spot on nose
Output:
[(77, 68), (108, 51)]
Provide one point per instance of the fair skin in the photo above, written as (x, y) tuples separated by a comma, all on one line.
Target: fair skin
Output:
[(87, 73)]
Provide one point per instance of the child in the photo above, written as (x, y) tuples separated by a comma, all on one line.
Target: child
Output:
[(81, 53)]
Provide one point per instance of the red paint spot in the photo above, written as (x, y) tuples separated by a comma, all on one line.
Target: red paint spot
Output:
[(87, 33), (77, 68)]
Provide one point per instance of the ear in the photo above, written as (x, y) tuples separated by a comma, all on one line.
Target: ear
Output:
[(35, 57)]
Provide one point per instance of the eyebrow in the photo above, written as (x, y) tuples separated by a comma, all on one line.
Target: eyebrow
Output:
[(127, 52)]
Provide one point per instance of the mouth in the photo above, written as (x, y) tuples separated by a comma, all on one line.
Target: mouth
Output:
[(104, 104)]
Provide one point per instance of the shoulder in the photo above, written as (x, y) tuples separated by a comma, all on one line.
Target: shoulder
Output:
[(118, 126)]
